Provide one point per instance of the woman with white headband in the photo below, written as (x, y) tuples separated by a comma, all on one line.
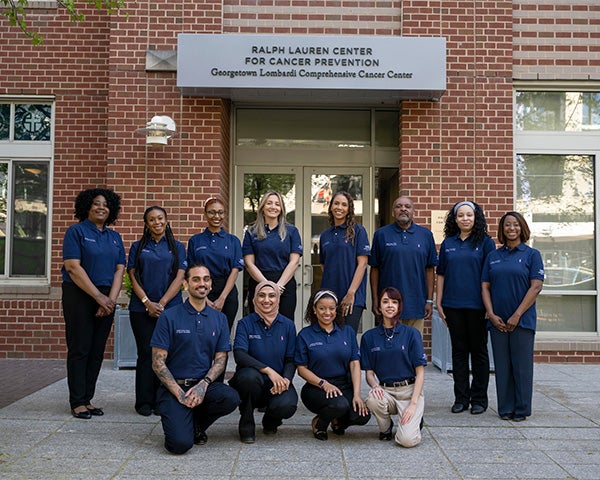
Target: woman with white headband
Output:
[(459, 302), (327, 357)]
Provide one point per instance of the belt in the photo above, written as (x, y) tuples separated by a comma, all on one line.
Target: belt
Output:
[(187, 382), (401, 383)]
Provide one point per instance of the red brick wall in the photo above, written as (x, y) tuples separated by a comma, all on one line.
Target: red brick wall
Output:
[(460, 147)]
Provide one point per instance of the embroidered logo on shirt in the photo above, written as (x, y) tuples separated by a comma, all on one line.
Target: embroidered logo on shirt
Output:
[(254, 337), (391, 244), (376, 349), (89, 239), (315, 344), (182, 331)]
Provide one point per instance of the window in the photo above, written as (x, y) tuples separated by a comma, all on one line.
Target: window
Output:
[(25, 154)]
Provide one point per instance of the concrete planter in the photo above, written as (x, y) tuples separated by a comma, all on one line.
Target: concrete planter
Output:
[(125, 347)]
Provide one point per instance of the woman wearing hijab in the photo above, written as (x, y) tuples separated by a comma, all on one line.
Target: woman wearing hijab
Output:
[(264, 355)]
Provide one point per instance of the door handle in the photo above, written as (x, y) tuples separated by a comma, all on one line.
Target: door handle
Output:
[(308, 273)]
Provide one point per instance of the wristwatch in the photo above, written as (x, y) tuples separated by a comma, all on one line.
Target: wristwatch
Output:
[(207, 379)]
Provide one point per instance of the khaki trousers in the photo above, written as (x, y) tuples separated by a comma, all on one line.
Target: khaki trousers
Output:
[(394, 402)]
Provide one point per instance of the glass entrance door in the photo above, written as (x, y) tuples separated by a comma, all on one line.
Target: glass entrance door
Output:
[(307, 192)]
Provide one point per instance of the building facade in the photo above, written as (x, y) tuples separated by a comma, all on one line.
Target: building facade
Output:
[(517, 126)]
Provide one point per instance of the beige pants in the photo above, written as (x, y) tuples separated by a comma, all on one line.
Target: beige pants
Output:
[(418, 323), (395, 401)]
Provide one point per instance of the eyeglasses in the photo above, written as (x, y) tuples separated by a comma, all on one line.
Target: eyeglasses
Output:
[(214, 213)]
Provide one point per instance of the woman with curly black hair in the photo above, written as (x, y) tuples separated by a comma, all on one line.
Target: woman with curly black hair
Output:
[(94, 262), (460, 305), (328, 358), (343, 253), (156, 267)]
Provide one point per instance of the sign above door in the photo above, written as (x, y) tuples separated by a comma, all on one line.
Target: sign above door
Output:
[(319, 69)]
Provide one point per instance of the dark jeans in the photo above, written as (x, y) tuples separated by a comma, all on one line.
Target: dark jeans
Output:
[(146, 382), (469, 337), (253, 388), (337, 407), (178, 421), (354, 318), (230, 307), (513, 361), (86, 339), (287, 301)]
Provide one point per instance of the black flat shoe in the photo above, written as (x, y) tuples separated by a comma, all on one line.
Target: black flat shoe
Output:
[(387, 435), (458, 408), (200, 437), (85, 415), (318, 434), (519, 418), (477, 409), (145, 410), (96, 412), (507, 416), (269, 430), (336, 428), (248, 439)]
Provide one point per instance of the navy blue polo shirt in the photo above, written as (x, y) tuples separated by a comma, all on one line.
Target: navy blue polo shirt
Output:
[(392, 359), (99, 252), (402, 257), (461, 264), (156, 262), (191, 338), (270, 346), (271, 254), (221, 252), (338, 257), (327, 355), (509, 273)]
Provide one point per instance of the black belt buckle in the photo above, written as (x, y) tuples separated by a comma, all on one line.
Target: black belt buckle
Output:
[(401, 383), (188, 382)]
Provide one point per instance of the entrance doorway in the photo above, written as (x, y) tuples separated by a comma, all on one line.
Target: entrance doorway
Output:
[(308, 155), (307, 192)]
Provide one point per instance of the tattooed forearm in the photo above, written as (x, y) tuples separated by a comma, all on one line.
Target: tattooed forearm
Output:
[(159, 358), (218, 366)]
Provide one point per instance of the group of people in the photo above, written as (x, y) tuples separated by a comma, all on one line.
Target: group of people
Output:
[(183, 346)]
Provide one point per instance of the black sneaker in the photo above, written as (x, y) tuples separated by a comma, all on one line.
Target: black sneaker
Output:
[(387, 435), (200, 437)]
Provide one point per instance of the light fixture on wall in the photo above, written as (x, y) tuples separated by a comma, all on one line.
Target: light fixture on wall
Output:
[(158, 130)]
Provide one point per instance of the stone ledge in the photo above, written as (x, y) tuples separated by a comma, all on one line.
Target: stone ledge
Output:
[(587, 344)]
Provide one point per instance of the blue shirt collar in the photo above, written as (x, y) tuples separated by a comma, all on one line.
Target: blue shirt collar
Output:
[(89, 224), (220, 233), (317, 328), (410, 229), (190, 308), (521, 247)]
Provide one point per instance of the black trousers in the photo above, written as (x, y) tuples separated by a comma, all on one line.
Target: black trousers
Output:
[(146, 382), (337, 407), (287, 301), (253, 388), (469, 337), (86, 340), (230, 307), (178, 421)]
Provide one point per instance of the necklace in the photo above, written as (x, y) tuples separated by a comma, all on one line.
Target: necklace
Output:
[(385, 332)]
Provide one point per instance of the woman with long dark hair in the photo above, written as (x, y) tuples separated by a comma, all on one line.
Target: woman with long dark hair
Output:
[(343, 253), (156, 267), (327, 357), (459, 303), (221, 252), (92, 273), (272, 250)]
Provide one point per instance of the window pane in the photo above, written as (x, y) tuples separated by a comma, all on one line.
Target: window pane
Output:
[(558, 111), (564, 313), (556, 195), (32, 122), (30, 218), (4, 121), (3, 214), (387, 128), (309, 128)]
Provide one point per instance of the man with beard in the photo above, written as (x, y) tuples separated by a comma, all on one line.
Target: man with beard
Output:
[(189, 351), (403, 256)]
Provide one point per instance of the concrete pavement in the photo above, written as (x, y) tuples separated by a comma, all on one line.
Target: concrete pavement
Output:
[(561, 440)]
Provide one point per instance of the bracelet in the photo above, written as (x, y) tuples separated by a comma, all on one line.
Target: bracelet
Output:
[(208, 380), (429, 301), (145, 299), (321, 384)]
